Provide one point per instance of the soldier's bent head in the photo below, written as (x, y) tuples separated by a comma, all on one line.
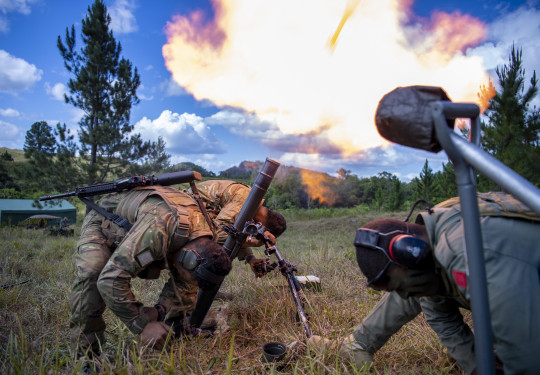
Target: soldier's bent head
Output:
[(273, 221)]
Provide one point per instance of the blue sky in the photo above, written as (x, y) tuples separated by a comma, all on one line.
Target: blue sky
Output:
[(265, 85)]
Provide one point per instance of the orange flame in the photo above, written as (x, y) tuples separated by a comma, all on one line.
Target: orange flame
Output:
[(487, 92), (319, 186)]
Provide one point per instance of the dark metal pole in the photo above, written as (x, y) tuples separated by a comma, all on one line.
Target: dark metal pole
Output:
[(483, 337), (205, 298)]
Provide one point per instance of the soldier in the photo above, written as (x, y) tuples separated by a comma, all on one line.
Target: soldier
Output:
[(223, 200), (435, 282), (169, 232)]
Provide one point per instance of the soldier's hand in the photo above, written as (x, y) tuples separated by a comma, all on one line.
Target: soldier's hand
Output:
[(155, 335), (270, 237), (151, 313), (261, 267)]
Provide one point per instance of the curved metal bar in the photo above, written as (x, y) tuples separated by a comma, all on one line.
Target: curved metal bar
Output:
[(499, 173), (466, 182)]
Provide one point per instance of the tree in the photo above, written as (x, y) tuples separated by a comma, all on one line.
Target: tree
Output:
[(39, 148), (511, 132), (104, 86), (424, 185), (395, 198), (6, 156), (66, 171), (155, 161), (39, 143), (445, 182)]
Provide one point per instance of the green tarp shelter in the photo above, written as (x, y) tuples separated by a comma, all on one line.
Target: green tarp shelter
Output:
[(14, 211)]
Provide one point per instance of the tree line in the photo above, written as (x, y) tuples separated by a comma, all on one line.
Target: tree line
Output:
[(104, 86)]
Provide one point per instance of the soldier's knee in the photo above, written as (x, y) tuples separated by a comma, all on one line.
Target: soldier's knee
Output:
[(91, 259)]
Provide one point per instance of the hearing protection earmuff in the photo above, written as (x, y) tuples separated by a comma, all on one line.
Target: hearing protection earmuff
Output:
[(192, 262), (403, 248)]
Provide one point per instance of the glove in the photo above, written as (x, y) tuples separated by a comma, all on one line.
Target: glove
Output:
[(261, 267), (155, 335)]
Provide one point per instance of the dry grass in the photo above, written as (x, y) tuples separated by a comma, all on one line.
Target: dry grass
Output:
[(34, 316)]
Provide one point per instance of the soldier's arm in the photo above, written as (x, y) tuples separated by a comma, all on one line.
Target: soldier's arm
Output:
[(144, 244), (444, 317)]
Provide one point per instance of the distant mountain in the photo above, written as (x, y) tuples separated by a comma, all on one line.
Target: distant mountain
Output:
[(248, 169), (189, 166), (244, 170)]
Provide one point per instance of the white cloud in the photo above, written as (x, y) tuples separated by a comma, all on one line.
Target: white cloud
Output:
[(207, 161), (144, 97), (10, 134), (171, 88), (21, 6), (9, 112), (403, 162), (76, 114), (4, 25), (183, 134), (250, 126), (8, 6), (57, 91), (122, 18), (521, 28), (17, 74)]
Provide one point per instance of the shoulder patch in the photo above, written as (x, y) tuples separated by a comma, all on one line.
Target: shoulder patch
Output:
[(460, 278), (145, 258)]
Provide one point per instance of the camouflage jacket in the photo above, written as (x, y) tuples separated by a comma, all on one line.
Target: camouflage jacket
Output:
[(223, 200), (163, 219)]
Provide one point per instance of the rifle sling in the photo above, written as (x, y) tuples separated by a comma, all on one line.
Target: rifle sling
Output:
[(117, 219), (202, 207)]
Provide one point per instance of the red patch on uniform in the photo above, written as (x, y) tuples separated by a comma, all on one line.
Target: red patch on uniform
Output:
[(460, 278)]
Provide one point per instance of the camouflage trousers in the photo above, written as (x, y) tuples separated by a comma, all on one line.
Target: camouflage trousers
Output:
[(94, 249)]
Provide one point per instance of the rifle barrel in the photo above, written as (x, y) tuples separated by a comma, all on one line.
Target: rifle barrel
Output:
[(165, 179)]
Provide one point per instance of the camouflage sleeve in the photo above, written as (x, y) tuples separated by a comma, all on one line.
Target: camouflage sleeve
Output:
[(146, 242), (444, 317), (228, 214), (243, 253)]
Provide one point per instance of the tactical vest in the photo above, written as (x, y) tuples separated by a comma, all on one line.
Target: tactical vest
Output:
[(180, 203), (212, 192), (497, 204)]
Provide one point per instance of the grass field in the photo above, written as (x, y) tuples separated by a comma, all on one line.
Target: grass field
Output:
[(34, 329)]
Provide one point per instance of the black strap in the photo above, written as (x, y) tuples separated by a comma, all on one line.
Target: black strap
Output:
[(117, 219), (207, 275)]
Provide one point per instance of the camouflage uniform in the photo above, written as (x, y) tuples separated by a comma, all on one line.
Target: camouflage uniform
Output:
[(223, 200), (512, 261), (164, 219)]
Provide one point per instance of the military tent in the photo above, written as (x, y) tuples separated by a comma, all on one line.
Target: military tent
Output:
[(14, 211)]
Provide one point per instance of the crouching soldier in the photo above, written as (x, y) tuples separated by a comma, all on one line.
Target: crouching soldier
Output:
[(433, 278), (169, 232)]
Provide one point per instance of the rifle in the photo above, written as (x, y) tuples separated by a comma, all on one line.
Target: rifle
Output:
[(287, 269), (129, 183), (237, 236), (126, 183)]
